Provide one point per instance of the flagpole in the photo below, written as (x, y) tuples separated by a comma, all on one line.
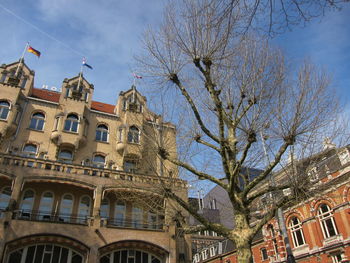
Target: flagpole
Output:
[(21, 59)]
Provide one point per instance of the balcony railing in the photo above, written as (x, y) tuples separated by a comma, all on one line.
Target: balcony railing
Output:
[(134, 224), (76, 169), (33, 215)]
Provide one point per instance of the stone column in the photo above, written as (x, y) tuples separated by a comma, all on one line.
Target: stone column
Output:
[(16, 193), (97, 206)]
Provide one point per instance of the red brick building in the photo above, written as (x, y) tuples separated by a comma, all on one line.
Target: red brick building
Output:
[(319, 227)]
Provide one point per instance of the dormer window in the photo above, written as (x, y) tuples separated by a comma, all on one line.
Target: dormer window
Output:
[(312, 173), (4, 109), (344, 157), (72, 123)]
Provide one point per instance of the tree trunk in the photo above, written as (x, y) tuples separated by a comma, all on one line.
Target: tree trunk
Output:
[(243, 238)]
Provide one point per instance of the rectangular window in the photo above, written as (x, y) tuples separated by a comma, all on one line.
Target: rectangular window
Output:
[(263, 252)]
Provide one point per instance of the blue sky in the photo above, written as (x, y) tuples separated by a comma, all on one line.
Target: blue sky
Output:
[(109, 34)]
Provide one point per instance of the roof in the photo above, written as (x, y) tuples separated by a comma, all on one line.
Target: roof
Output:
[(54, 96), (44, 94), (104, 107)]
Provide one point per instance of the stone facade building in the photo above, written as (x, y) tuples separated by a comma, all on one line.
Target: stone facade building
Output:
[(80, 180)]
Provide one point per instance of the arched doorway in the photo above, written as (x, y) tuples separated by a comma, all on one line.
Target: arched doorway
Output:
[(45, 253), (129, 256)]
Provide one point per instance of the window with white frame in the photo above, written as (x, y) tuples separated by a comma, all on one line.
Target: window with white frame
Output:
[(102, 133), (296, 231), (327, 222), (37, 121), (130, 256), (72, 123), (312, 173), (337, 258), (134, 135), (4, 109), (344, 157), (44, 253)]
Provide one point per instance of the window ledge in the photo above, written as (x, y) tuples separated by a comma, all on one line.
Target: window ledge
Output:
[(301, 249), (332, 240), (35, 130), (134, 143), (4, 120), (102, 142), (71, 132)]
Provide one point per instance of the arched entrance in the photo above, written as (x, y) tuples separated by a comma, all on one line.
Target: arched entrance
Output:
[(132, 251), (46, 249)]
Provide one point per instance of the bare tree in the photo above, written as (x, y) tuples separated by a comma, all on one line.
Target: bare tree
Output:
[(239, 103)]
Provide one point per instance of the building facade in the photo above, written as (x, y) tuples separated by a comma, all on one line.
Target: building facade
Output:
[(80, 180), (318, 228)]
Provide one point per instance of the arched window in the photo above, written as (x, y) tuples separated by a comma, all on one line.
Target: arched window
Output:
[(46, 204), (65, 156), (71, 124), (27, 203), (328, 226), (102, 133), (98, 161), (84, 209), (66, 207), (37, 121), (137, 217), (45, 253), (134, 135), (296, 231), (5, 196), (4, 109), (30, 150), (104, 209), (119, 213), (129, 256)]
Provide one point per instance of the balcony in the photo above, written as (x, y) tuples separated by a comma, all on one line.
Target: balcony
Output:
[(32, 215), (133, 224), (55, 168)]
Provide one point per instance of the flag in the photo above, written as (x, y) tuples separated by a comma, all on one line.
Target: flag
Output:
[(137, 76), (34, 51), (85, 64)]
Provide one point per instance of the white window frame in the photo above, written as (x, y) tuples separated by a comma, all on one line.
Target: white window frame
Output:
[(296, 229), (2, 107), (324, 217)]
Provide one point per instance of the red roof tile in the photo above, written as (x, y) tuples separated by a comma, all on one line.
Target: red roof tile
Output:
[(55, 97), (104, 107), (46, 95)]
